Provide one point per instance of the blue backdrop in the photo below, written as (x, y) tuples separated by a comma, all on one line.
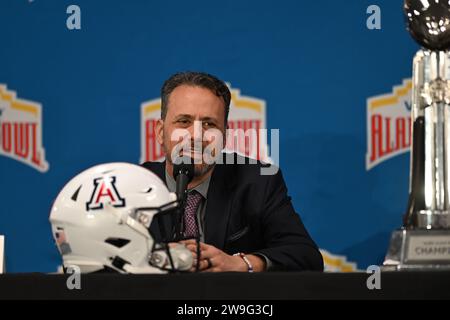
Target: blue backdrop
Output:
[(314, 63)]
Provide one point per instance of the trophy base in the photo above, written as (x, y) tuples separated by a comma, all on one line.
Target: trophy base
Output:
[(418, 250)]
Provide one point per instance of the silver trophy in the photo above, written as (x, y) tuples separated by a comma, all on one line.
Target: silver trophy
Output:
[(424, 240)]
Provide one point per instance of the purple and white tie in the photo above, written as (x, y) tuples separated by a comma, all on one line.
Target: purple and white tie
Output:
[(190, 224)]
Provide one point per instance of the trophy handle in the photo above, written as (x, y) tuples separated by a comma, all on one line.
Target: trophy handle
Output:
[(416, 200)]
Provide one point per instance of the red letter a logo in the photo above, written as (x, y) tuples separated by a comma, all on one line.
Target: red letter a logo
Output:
[(105, 192)]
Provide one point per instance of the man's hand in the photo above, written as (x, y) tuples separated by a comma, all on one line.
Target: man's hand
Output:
[(215, 260)]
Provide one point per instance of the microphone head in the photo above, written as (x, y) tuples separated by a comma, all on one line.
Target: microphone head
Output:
[(185, 167)]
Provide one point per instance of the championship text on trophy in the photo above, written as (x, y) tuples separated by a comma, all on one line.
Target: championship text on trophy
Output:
[(424, 240)]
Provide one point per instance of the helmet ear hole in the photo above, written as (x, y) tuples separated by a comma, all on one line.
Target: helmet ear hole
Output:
[(117, 242)]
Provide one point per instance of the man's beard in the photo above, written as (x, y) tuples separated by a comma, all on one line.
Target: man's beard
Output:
[(199, 168)]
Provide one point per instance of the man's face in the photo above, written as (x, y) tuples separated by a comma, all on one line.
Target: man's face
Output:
[(191, 112)]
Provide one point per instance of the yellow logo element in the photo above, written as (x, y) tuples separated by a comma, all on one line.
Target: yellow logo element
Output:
[(335, 263), (21, 130), (388, 124)]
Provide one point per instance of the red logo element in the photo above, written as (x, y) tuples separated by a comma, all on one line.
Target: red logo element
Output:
[(21, 130), (105, 191), (388, 124)]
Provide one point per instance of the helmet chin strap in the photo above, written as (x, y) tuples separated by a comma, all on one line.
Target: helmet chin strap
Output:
[(178, 257)]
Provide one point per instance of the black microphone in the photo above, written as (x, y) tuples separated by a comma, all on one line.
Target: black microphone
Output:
[(183, 174)]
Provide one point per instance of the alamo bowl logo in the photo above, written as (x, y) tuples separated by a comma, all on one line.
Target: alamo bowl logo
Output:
[(388, 124), (246, 134), (337, 263), (21, 130)]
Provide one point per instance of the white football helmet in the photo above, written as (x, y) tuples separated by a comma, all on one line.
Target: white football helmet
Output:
[(101, 218)]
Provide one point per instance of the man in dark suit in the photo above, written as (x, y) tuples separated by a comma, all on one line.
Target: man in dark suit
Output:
[(246, 219)]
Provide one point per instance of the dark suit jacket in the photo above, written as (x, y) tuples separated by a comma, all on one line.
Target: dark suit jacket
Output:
[(252, 213)]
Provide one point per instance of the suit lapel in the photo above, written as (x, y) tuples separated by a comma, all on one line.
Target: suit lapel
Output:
[(159, 168), (218, 206)]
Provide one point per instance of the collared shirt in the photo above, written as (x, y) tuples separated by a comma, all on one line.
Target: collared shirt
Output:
[(202, 188)]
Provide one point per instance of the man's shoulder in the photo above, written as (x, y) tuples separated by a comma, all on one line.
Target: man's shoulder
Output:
[(153, 164), (156, 167)]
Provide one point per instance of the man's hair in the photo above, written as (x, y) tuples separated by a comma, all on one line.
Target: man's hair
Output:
[(195, 79)]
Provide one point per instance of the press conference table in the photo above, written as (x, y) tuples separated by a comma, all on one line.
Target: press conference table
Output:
[(226, 286)]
